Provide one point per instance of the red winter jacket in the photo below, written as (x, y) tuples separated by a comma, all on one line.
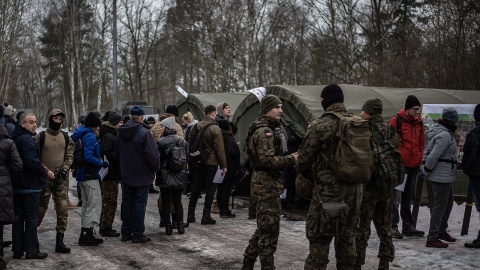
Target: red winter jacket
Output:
[(412, 139)]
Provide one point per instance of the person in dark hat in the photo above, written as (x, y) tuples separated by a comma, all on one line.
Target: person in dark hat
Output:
[(266, 145), (409, 126), (88, 179), (377, 198), (10, 119), (471, 166), (172, 109)]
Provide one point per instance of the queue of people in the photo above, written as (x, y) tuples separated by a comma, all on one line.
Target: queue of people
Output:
[(139, 153)]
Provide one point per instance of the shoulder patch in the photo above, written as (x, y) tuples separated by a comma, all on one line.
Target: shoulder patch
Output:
[(268, 133)]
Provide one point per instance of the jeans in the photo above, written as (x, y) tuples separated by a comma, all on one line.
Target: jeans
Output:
[(204, 180), (24, 232), (134, 204), (404, 200), (442, 206)]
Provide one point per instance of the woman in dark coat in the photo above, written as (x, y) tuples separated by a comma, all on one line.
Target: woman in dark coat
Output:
[(232, 153), (9, 161)]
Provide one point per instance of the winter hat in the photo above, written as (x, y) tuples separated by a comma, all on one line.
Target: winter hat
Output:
[(126, 118), (476, 113), (114, 118), (373, 106), (9, 109), (137, 110), (411, 102), (105, 116), (269, 102), (221, 107), (224, 124), (92, 120), (172, 109), (81, 118), (331, 93), (151, 120), (19, 113), (450, 115), (98, 114), (168, 122)]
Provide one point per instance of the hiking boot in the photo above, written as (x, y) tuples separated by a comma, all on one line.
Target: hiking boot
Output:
[(86, 238), (383, 265), (436, 244), (126, 238), (141, 239), (18, 254), (396, 233), (36, 255), (109, 232), (93, 233), (181, 228), (412, 231), (227, 214), (60, 247), (191, 215), (168, 229), (474, 244), (446, 237), (206, 218)]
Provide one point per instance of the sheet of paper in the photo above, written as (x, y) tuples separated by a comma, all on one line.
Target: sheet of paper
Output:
[(401, 187), (283, 196), (103, 171), (218, 179)]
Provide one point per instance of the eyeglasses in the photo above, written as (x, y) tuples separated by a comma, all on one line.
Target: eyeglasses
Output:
[(416, 109)]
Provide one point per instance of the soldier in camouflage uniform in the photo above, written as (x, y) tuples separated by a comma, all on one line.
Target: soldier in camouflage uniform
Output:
[(266, 145), (321, 138), (377, 199), (57, 157)]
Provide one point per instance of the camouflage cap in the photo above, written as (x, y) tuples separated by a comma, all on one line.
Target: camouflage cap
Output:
[(57, 112), (304, 186)]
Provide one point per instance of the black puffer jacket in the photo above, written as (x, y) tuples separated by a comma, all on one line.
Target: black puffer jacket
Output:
[(9, 161), (232, 152), (469, 160), (33, 174), (164, 146), (108, 133)]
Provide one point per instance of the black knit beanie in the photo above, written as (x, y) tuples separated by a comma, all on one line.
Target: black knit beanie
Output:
[(373, 106), (114, 118), (476, 113), (331, 93), (92, 120), (172, 109), (411, 102), (269, 102)]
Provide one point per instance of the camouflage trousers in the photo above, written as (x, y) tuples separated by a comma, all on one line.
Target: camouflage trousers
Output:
[(265, 238), (57, 187), (378, 210), (345, 252), (109, 203)]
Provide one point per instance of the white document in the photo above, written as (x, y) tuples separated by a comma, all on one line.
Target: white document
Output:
[(103, 171), (218, 179), (401, 187), (283, 196)]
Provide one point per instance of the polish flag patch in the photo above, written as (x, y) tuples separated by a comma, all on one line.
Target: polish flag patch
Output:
[(268, 134)]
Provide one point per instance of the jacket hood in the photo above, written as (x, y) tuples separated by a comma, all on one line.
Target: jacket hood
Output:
[(436, 129), (105, 128), (80, 131), (129, 129), (191, 124)]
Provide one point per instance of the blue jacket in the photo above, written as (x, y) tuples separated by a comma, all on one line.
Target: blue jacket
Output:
[(33, 175), (91, 154), (137, 154)]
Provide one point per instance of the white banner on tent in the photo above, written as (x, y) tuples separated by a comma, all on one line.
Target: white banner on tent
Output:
[(181, 91), (260, 92), (438, 108)]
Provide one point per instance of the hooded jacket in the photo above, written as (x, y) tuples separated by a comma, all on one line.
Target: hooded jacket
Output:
[(441, 146), (108, 133), (137, 154), (9, 160), (91, 154), (412, 139), (32, 176)]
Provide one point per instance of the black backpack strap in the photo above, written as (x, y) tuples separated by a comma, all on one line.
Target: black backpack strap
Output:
[(42, 140), (67, 140)]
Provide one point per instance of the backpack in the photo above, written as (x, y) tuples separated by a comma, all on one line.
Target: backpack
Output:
[(389, 171), (198, 154), (178, 158), (399, 126), (78, 159), (470, 164), (353, 160)]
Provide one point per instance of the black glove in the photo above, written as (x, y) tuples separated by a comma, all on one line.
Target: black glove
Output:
[(105, 164), (61, 174)]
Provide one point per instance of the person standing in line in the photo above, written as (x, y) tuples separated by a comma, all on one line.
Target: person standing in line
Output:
[(10, 118), (172, 182), (108, 134), (10, 162), (377, 194), (139, 161), (439, 166), (89, 180), (266, 144), (27, 185), (471, 166), (412, 142), (56, 149)]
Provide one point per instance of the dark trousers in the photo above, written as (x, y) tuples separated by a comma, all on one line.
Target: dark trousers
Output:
[(404, 200), (169, 196), (475, 185), (442, 206), (24, 232), (204, 180), (134, 203), (224, 191)]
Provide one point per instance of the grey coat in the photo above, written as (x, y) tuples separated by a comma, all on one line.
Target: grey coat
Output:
[(439, 156)]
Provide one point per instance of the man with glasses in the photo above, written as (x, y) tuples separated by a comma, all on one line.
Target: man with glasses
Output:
[(409, 126)]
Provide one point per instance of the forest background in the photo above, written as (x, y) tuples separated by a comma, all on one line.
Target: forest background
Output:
[(58, 53)]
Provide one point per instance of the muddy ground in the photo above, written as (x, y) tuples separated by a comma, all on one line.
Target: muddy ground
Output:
[(221, 246)]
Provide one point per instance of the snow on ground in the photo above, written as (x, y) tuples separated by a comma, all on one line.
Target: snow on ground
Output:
[(221, 246)]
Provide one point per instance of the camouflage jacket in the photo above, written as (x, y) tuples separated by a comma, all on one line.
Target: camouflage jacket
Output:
[(322, 137), (267, 160)]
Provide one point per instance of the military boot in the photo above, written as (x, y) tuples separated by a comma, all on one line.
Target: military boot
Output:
[(267, 262), (206, 218), (181, 228), (252, 212), (191, 215), (168, 229), (383, 265), (92, 235), (475, 243), (86, 238), (248, 263), (60, 247)]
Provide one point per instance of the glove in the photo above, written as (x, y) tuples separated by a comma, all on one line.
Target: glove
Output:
[(105, 164), (61, 174)]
